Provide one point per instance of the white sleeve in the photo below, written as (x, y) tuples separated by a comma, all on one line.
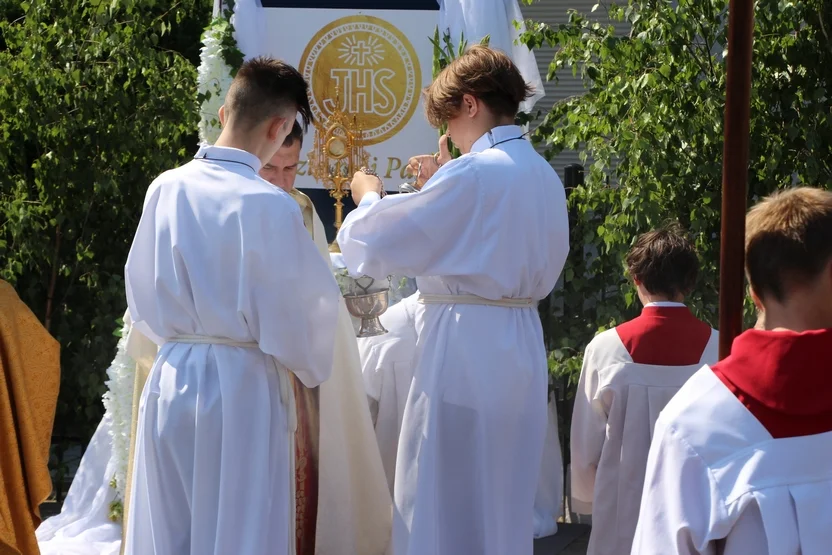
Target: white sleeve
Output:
[(288, 295), (418, 234), (587, 434), (680, 504)]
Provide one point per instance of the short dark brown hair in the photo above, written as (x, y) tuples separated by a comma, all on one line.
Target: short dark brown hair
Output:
[(664, 261), (788, 240), (264, 88), (295, 135), (482, 72)]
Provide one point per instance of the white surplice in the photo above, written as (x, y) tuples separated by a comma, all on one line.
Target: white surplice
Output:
[(222, 254), (387, 364), (739, 462), (84, 527), (718, 483), (492, 223), (616, 407)]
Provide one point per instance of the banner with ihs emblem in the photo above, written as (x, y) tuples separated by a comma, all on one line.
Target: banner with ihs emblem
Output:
[(376, 54)]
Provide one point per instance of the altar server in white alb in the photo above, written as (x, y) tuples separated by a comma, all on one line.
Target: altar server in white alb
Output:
[(629, 374), (740, 460), (224, 276), (486, 237)]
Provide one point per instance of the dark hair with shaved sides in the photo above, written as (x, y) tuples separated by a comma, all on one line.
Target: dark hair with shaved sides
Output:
[(265, 88)]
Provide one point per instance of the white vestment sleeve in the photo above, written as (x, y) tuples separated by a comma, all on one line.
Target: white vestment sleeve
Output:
[(589, 424), (431, 233), (288, 295), (680, 504)]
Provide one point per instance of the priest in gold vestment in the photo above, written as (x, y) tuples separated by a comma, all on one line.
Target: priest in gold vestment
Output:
[(343, 504), (29, 383), (354, 506)]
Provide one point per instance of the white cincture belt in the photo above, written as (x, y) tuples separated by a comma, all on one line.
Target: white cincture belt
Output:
[(208, 340), (287, 393), (474, 299)]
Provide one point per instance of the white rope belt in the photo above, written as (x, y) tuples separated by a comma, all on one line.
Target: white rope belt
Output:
[(287, 393), (475, 300), (208, 340)]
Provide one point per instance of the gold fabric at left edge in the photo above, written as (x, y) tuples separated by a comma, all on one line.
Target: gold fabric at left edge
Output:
[(29, 382)]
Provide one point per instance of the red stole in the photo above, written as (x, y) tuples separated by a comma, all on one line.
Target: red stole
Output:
[(783, 378), (665, 336), (307, 401)]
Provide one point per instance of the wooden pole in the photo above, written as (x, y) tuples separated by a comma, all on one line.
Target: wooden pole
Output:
[(735, 172)]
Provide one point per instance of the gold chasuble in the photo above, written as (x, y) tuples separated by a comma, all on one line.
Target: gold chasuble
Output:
[(29, 382), (307, 436)]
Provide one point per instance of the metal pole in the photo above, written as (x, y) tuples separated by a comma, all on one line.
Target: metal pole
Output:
[(735, 172)]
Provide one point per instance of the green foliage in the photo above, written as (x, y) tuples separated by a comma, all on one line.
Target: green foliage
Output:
[(231, 54), (96, 99), (651, 129)]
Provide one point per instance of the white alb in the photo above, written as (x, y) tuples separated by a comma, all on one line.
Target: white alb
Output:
[(491, 223)]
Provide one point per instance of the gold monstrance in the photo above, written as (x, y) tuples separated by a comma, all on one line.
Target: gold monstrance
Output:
[(337, 155)]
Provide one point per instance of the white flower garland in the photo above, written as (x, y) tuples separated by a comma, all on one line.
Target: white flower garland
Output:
[(213, 80), (118, 405)]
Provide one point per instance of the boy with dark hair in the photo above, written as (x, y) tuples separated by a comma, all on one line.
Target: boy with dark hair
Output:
[(739, 462), (224, 277), (629, 374)]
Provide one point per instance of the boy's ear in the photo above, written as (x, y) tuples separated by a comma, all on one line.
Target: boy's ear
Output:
[(757, 302)]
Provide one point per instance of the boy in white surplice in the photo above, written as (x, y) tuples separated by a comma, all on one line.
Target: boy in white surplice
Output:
[(224, 276), (740, 459), (629, 374), (486, 238)]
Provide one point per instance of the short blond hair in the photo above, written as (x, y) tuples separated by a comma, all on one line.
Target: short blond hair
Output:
[(482, 72), (788, 240)]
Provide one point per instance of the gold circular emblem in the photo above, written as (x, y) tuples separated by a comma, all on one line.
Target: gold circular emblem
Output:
[(374, 69)]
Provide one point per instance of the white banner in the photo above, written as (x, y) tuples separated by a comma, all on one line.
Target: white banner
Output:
[(378, 60)]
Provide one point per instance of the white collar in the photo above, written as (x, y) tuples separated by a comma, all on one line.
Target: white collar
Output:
[(229, 154), (664, 304), (498, 134)]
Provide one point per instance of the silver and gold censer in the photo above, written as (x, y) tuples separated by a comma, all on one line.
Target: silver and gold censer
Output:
[(368, 306)]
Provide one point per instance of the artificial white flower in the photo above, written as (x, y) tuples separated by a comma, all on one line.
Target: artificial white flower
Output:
[(213, 80), (118, 404)]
